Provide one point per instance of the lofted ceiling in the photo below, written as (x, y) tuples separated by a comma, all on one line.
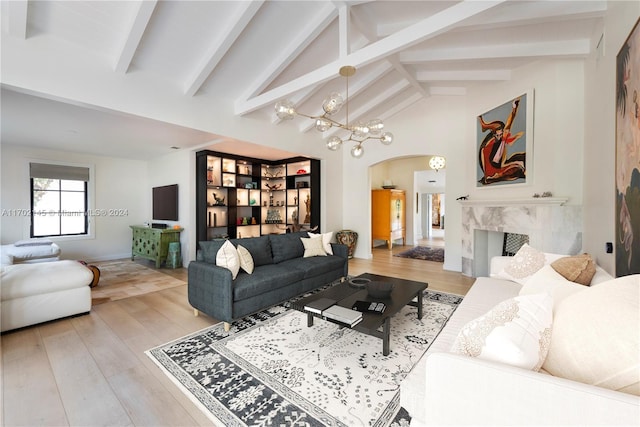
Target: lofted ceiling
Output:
[(244, 56)]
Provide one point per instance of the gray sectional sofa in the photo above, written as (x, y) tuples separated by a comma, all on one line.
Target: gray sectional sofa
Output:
[(281, 272)]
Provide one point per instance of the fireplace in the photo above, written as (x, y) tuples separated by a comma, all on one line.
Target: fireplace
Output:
[(549, 224)]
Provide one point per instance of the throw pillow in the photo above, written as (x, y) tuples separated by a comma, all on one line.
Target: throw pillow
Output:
[(595, 336), (547, 280), (227, 257), (579, 268), (515, 332), (287, 246), (525, 263), (313, 247), (246, 260), (326, 241), (258, 247)]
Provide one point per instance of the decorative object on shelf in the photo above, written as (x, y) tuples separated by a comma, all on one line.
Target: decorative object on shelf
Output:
[(219, 200), (253, 220), (295, 226), (302, 184), (307, 204), (463, 197), (387, 184), (359, 131), (349, 238), (252, 202), (272, 172), (301, 171), (273, 187), (437, 162), (264, 203), (273, 216), (294, 216)]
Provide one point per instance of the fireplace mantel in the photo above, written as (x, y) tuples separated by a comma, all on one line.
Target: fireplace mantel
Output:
[(557, 201)]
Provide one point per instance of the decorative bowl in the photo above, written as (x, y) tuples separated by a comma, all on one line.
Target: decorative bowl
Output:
[(388, 187), (379, 289)]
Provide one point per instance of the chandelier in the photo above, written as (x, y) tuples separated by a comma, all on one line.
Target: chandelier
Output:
[(359, 131), (437, 163)]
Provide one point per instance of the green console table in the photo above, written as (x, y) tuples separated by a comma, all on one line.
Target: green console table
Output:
[(153, 243)]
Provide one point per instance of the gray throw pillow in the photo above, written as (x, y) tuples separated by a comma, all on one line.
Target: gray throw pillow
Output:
[(287, 246), (258, 247), (210, 248)]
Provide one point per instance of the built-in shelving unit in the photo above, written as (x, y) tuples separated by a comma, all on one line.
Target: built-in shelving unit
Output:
[(246, 197)]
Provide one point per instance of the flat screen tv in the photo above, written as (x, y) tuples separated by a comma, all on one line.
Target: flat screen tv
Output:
[(165, 202)]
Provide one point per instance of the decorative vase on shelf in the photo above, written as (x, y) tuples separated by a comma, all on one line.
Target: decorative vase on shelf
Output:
[(349, 238)]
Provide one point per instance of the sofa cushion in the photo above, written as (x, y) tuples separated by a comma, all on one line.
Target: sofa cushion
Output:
[(313, 247), (246, 260), (227, 257), (25, 280), (525, 263), (209, 249), (315, 266), (258, 247), (515, 332), (267, 278), (287, 246), (579, 268), (596, 337)]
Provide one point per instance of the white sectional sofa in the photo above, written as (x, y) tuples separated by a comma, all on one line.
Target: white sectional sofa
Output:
[(445, 388), (39, 292)]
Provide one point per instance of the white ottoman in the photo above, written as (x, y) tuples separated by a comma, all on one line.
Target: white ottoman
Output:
[(36, 293)]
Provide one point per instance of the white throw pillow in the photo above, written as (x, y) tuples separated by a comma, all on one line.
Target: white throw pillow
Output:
[(246, 260), (326, 241), (596, 336), (515, 332), (525, 263), (548, 280), (313, 247), (227, 257)]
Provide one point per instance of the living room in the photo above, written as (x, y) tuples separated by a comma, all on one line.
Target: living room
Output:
[(573, 144)]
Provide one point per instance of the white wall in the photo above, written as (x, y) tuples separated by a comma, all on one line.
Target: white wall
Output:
[(118, 184), (599, 161)]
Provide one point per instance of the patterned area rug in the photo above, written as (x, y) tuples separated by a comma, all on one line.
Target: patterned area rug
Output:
[(271, 369), (425, 253)]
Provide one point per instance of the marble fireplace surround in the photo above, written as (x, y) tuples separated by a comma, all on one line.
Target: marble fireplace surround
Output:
[(550, 225)]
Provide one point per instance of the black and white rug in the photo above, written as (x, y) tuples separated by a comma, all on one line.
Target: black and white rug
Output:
[(271, 369)]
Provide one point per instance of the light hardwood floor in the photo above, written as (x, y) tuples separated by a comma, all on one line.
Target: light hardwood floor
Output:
[(92, 370)]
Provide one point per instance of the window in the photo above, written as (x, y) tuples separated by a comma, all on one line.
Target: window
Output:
[(58, 200)]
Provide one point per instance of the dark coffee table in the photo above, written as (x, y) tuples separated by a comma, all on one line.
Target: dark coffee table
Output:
[(403, 293)]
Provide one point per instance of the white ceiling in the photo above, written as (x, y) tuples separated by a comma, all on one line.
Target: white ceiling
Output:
[(245, 56)]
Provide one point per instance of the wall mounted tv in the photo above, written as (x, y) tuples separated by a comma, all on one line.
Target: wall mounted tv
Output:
[(165, 202)]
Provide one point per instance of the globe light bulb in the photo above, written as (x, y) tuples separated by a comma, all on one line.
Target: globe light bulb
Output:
[(285, 110), (333, 103), (386, 138), (360, 130), (334, 143), (322, 124), (357, 151), (375, 126)]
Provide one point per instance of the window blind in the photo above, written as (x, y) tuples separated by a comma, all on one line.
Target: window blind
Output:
[(74, 173)]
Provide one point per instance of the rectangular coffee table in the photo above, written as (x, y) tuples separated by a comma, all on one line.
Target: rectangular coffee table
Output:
[(377, 325)]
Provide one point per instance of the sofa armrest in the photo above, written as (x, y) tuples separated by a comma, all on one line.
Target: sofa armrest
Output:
[(497, 394), (210, 290), (340, 250)]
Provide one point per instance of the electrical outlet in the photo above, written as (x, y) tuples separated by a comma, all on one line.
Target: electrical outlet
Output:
[(609, 247)]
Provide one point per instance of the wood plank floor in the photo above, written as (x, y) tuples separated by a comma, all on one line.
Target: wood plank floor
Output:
[(91, 370)]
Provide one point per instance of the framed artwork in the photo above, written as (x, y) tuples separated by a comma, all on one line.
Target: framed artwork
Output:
[(503, 143), (627, 248)]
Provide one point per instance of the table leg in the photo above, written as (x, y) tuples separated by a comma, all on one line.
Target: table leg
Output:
[(309, 320), (386, 330), (420, 305)]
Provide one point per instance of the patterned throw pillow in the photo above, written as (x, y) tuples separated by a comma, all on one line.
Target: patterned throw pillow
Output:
[(227, 257), (246, 260), (525, 263), (516, 332), (579, 268), (313, 247)]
